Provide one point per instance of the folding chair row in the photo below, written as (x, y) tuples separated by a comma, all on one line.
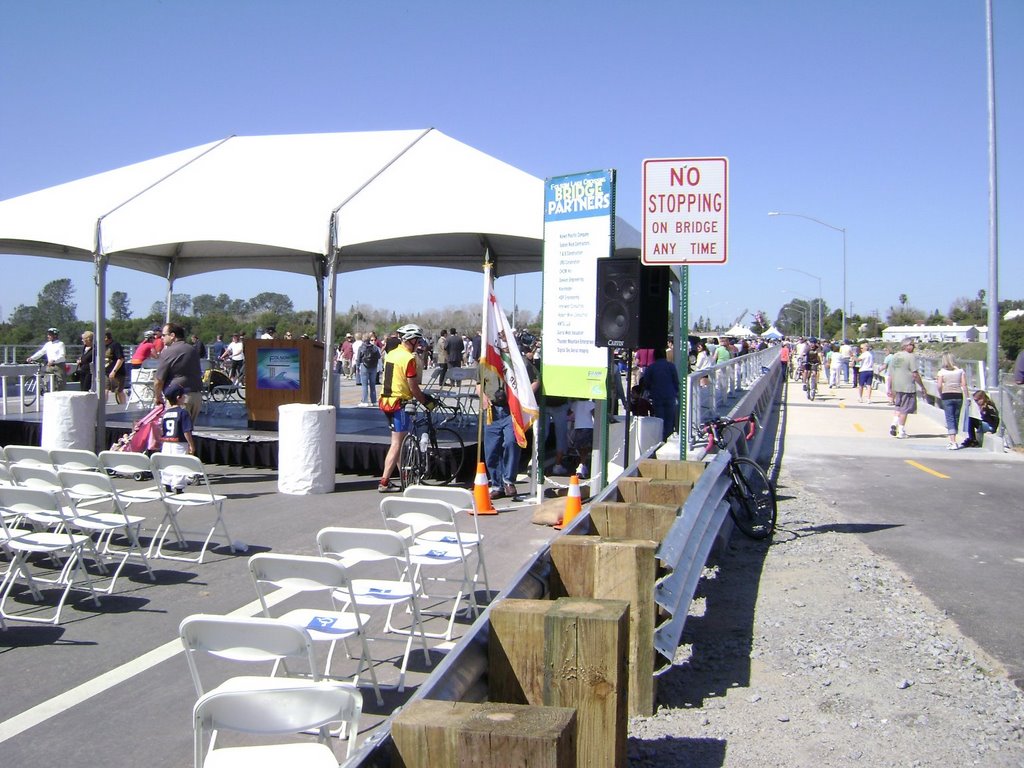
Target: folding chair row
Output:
[(176, 470), (426, 517), (54, 458), (330, 599)]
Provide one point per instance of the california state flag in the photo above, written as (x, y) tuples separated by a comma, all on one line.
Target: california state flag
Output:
[(504, 362)]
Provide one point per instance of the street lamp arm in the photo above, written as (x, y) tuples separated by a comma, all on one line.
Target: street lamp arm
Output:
[(794, 269), (809, 218)]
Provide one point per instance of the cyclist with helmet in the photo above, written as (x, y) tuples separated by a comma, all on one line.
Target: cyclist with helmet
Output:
[(812, 360), (56, 357), (401, 384)]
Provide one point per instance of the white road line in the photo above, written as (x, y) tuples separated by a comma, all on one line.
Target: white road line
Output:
[(65, 701)]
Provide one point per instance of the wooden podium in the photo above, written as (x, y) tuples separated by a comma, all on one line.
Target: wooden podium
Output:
[(281, 371)]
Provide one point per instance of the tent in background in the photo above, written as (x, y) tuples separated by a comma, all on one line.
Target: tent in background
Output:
[(315, 204), (739, 332), (772, 333)]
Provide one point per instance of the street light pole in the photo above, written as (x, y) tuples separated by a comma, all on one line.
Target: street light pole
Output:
[(793, 269), (837, 229)]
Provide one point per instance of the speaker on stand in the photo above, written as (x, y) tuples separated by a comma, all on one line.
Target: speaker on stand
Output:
[(631, 313)]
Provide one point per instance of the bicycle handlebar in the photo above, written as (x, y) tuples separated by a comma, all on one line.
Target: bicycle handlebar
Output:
[(714, 429)]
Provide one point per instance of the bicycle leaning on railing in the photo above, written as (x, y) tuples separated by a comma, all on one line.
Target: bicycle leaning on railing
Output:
[(751, 495), (431, 453)]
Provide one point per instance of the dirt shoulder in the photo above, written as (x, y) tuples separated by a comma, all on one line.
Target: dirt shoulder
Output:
[(814, 651)]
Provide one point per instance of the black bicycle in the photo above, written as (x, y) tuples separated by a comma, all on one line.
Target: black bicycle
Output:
[(431, 453), (751, 495)]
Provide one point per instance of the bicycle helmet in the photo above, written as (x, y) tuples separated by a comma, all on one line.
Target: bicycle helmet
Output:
[(53, 331), (410, 331)]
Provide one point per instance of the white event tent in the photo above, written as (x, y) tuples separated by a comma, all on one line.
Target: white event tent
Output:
[(316, 204)]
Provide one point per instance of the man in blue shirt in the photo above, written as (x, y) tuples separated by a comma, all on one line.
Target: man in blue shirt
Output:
[(661, 380)]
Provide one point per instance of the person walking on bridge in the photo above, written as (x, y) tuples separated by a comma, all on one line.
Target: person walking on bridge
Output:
[(902, 383)]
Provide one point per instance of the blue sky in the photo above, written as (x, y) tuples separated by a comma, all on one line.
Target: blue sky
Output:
[(868, 115)]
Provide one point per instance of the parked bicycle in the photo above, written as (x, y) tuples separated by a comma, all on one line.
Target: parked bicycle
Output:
[(751, 495), (33, 385), (431, 453)]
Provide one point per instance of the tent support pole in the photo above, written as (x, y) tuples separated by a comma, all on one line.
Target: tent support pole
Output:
[(98, 381), (327, 393)]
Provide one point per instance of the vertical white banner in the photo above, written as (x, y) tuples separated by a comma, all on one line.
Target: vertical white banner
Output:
[(578, 213)]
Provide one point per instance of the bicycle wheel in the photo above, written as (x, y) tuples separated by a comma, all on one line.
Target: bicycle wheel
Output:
[(410, 461), (444, 457), (752, 499), (28, 392)]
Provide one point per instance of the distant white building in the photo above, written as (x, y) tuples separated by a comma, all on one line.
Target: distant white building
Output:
[(932, 333)]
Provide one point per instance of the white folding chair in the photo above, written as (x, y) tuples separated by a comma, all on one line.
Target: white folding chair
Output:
[(299, 708), (434, 544), (360, 550), (22, 545), (460, 500), (136, 466), (42, 478), (175, 503), (75, 459), (247, 640), (340, 619), (6, 478), (29, 455), (87, 490)]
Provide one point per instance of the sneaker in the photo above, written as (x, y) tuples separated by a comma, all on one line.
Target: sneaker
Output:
[(902, 434), (582, 471), (952, 447), (510, 490), (497, 493), (388, 487), (559, 470), (892, 430)]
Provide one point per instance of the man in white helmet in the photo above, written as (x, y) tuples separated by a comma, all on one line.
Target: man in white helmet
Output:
[(401, 384), (56, 356)]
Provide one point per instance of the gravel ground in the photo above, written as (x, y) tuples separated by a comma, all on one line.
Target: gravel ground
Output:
[(817, 652)]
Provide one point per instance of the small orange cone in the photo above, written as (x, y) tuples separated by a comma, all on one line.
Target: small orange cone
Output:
[(482, 493), (573, 503)]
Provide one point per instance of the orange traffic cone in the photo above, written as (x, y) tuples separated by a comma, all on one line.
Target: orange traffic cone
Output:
[(573, 503), (482, 493)]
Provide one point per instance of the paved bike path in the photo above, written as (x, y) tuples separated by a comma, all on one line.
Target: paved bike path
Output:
[(951, 520)]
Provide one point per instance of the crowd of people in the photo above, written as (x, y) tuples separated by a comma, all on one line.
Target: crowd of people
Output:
[(847, 363)]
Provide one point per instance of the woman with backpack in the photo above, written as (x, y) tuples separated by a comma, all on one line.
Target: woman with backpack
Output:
[(369, 360)]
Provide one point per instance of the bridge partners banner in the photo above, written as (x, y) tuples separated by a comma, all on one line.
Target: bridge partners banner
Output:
[(579, 211)]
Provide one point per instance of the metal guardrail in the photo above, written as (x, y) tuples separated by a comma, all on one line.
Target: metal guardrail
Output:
[(722, 383), (685, 550)]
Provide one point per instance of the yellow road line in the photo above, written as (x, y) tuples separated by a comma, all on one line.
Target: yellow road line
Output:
[(923, 468), (858, 427), (842, 404)]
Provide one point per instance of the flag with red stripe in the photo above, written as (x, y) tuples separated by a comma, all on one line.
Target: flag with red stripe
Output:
[(504, 361)]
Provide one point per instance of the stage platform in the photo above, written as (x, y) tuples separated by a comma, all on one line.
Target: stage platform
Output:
[(222, 435)]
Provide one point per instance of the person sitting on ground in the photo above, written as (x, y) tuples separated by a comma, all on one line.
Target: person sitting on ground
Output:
[(638, 404), (989, 421)]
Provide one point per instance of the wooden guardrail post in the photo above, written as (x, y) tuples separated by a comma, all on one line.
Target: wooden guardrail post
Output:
[(619, 520), (615, 569), (448, 734), (660, 482), (567, 653)]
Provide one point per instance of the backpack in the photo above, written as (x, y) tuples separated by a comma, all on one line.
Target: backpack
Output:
[(369, 355)]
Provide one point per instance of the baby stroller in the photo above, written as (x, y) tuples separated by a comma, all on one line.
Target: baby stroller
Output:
[(144, 436)]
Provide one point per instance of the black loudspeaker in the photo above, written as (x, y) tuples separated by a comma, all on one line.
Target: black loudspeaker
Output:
[(632, 305)]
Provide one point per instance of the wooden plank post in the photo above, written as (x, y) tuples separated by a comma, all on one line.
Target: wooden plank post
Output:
[(615, 569), (579, 662), (619, 520), (448, 734)]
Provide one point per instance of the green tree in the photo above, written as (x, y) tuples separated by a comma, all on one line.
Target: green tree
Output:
[(272, 303), (1011, 335), (55, 305), (120, 306)]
